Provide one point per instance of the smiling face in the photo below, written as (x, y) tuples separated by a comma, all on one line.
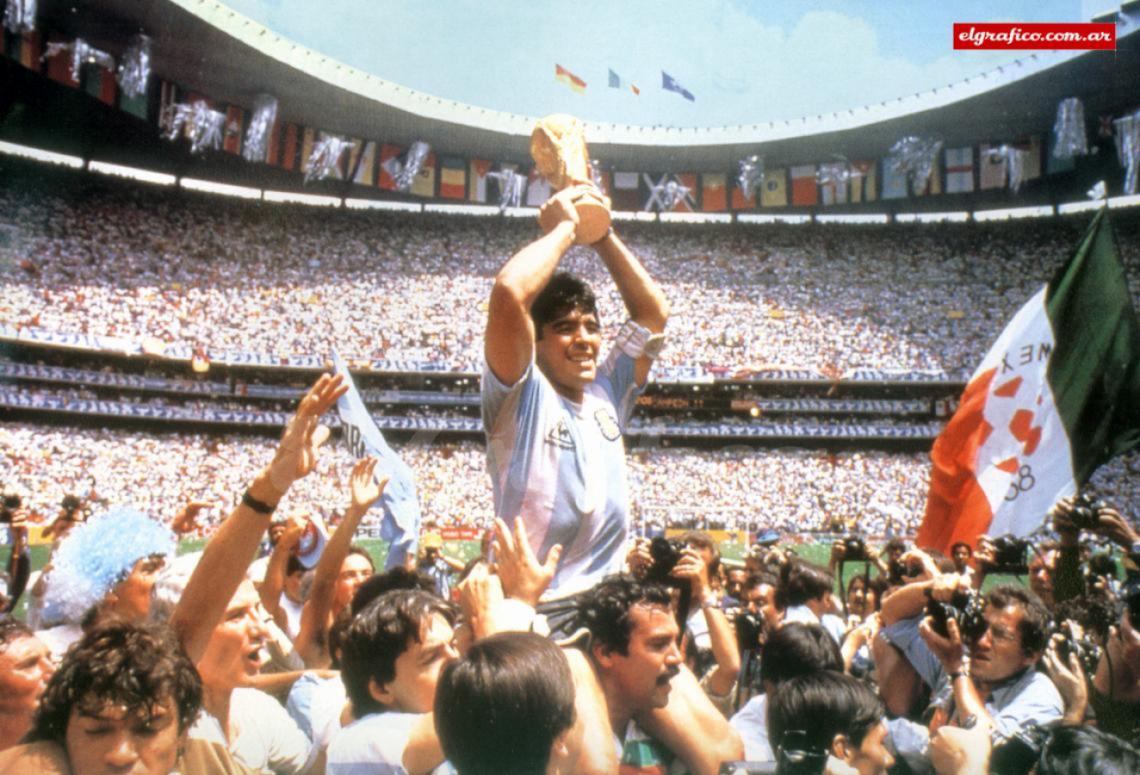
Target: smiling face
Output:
[(116, 741), (566, 351), (998, 654), (236, 649)]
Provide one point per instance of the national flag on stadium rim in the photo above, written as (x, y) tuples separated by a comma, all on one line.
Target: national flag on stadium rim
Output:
[(895, 185), (774, 188), (478, 177), (834, 186), (289, 147), (401, 524), (452, 178), (562, 75), (669, 83), (365, 165), (390, 162), (616, 82), (59, 63), (863, 181), (1031, 167), (350, 161), (738, 201), (424, 182), (625, 194), (960, 170), (233, 128), (308, 137), (99, 82), (804, 188), (991, 168), (26, 47), (712, 192), (1057, 395), (933, 184)]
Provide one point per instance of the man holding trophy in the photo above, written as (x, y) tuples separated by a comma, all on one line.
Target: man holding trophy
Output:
[(552, 413)]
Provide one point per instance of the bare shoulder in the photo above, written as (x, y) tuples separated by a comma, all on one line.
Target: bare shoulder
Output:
[(35, 759)]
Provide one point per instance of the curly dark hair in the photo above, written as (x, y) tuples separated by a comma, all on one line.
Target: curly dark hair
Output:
[(138, 667), (605, 609), (564, 292), (378, 635), (11, 630)]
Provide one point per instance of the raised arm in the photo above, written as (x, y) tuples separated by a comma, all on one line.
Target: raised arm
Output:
[(312, 639), (644, 300), (274, 581), (509, 342), (228, 554)]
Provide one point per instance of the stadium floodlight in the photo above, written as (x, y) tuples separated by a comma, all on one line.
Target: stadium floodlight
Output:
[(225, 189), (1117, 202), (960, 216), (761, 218), (133, 173), (633, 215), (1080, 207), (293, 197), (854, 218), (482, 210), (694, 218), (383, 204), (1014, 213), (38, 154)]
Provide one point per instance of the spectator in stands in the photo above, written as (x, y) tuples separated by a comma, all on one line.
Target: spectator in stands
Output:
[(25, 667), (553, 417), (508, 707)]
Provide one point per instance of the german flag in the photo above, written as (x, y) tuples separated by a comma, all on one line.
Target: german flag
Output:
[(568, 78)]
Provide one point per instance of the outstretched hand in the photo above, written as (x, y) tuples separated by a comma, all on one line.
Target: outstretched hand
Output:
[(366, 489), (523, 576), (296, 454)]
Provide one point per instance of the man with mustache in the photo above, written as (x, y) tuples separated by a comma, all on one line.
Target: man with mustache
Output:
[(554, 412), (657, 710)]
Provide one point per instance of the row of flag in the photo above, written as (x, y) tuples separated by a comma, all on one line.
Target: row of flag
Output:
[(615, 81), (373, 163)]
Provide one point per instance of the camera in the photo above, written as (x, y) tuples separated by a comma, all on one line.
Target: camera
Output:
[(749, 627), (854, 549), (966, 607), (666, 553), (1086, 511), (1087, 651), (1010, 555)]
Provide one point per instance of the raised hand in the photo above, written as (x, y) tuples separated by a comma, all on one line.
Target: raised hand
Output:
[(296, 454), (523, 576), (365, 488)]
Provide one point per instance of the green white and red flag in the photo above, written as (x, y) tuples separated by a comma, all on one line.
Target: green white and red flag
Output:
[(1057, 395)]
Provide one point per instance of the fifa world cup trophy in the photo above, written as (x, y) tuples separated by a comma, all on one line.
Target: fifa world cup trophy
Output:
[(558, 147)]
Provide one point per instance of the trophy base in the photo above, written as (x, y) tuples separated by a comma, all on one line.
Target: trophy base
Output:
[(593, 217)]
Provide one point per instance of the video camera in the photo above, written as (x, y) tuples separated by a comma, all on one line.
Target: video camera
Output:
[(966, 607)]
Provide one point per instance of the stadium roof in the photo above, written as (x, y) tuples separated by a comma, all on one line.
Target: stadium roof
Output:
[(207, 47)]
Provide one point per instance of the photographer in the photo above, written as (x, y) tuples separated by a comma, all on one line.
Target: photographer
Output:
[(992, 675), (1115, 691), (1073, 515)]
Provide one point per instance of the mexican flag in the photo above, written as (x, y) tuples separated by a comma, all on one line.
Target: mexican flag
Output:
[(1057, 395)]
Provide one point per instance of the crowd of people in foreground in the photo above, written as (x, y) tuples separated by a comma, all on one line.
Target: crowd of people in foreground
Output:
[(123, 259), (145, 661)]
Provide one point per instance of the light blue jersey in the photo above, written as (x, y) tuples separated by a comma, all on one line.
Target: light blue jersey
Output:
[(561, 466)]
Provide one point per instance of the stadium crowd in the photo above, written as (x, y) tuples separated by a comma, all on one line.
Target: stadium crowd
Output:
[(119, 259)]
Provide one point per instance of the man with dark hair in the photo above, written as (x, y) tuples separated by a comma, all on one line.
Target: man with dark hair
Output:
[(553, 414), (805, 590), (793, 650), (826, 714), (632, 647), (123, 700), (391, 659), (1086, 751), (25, 667), (507, 707)]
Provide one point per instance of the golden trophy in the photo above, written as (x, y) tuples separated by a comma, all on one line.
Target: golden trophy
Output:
[(558, 147)]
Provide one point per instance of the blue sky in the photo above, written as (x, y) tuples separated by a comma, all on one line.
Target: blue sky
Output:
[(746, 61)]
